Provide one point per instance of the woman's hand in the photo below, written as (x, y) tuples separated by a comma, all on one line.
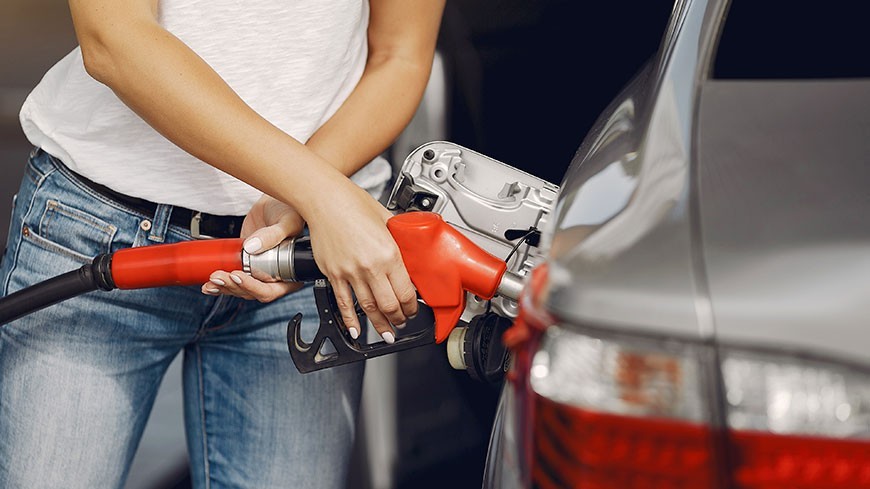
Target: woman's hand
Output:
[(351, 246), (356, 252), (269, 222)]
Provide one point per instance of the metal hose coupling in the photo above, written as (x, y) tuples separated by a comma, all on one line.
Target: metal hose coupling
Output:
[(510, 286), (291, 261)]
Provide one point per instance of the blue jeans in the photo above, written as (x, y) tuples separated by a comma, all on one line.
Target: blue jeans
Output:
[(78, 379)]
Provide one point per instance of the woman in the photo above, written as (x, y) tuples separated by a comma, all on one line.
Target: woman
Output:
[(178, 119)]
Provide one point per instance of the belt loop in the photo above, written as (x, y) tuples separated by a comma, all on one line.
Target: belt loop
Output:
[(160, 223)]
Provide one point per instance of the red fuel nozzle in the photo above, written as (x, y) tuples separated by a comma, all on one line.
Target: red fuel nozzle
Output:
[(186, 263), (443, 265)]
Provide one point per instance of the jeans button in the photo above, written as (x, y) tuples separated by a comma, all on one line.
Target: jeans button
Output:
[(145, 225)]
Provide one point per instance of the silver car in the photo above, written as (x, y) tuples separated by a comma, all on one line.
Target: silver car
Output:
[(702, 318)]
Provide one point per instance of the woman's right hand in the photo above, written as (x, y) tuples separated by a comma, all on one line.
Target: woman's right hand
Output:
[(354, 249)]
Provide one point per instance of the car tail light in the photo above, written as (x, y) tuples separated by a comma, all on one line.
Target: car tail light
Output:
[(796, 422), (624, 411), (620, 412)]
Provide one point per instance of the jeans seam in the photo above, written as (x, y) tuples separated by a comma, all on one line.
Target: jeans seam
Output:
[(47, 242), (205, 454), (52, 247), (211, 313), (31, 168), (20, 238), (86, 218), (225, 323)]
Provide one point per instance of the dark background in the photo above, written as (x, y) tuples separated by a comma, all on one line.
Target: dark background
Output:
[(526, 80), (530, 77)]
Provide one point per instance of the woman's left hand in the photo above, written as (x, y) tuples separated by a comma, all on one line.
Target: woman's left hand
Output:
[(269, 222)]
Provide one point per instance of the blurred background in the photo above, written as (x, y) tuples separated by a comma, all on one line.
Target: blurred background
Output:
[(517, 80)]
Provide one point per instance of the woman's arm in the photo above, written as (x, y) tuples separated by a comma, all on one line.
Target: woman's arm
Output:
[(178, 94), (402, 35), (183, 98)]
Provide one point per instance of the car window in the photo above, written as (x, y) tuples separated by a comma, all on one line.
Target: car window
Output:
[(789, 40)]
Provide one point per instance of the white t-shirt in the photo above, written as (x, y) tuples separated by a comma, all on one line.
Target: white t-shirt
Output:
[(293, 62)]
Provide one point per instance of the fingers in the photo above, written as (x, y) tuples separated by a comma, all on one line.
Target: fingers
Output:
[(240, 284), (269, 236), (269, 222), (360, 258), (385, 302), (405, 292), (344, 300), (382, 308), (383, 290), (374, 311)]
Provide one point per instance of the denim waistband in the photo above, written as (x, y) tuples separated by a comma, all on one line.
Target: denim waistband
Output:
[(199, 224)]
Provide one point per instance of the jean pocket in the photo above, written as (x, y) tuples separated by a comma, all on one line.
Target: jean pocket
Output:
[(71, 232)]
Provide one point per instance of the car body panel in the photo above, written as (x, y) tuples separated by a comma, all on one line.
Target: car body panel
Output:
[(621, 250), (785, 213), (730, 212), (661, 229)]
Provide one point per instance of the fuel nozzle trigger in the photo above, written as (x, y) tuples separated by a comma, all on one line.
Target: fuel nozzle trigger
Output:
[(309, 357)]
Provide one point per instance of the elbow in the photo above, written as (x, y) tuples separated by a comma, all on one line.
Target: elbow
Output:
[(112, 35), (109, 32), (98, 59)]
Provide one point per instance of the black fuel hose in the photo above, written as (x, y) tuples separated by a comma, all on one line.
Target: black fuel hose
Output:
[(96, 275)]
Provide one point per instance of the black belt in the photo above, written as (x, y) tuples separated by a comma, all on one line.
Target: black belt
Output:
[(200, 224)]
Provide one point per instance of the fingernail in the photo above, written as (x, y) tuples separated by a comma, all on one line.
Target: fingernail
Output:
[(400, 326), (217, 281), (212, 291), (353, 332), (253, 245), (412, 316), (235, 278), (388, 338)]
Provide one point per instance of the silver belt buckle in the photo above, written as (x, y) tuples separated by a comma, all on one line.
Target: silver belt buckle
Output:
[(194, 227)]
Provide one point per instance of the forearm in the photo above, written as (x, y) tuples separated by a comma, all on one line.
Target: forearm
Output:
[(180, 96), (402, 36), (374, 115)]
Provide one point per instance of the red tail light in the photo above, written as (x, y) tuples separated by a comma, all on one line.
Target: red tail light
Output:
[(763, 460), (617, 411), (580, 448)]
